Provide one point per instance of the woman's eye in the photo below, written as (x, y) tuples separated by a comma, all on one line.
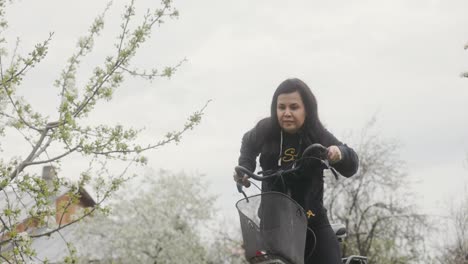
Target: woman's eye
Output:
[(281, 107)]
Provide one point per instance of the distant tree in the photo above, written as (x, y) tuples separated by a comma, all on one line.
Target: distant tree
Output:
[(55, 137), (454, 250), (226, 248), (375, 205), (157, 222)]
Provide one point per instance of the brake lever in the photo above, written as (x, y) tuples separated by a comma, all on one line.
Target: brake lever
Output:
[(239, 189), (334, 172), (327, 164)]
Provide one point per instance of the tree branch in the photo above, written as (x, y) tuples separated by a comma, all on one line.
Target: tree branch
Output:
[(24, 163), (168, 71), (5, 259), (54, 158), (174, 137), (129, 13)]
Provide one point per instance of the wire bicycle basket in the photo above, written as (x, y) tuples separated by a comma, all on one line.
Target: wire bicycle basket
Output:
[(273, 228)]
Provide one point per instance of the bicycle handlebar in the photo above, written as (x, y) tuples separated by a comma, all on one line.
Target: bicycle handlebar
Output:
[(322, 156)]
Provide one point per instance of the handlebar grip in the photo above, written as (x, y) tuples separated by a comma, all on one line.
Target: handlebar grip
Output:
[(241, 171)]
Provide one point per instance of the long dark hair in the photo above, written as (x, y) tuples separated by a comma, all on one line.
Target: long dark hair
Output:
[(312, 131)]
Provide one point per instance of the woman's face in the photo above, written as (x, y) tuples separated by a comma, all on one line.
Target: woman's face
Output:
[(290, 111)]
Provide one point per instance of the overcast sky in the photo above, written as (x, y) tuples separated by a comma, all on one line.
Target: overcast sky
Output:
[(399, 60)]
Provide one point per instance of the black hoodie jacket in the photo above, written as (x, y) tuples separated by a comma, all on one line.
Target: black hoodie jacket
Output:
[(307, 187)]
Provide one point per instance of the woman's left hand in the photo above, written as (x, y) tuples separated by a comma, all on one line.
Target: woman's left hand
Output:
[(334, 154)]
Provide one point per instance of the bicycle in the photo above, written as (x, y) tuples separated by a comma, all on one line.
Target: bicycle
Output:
[(277, 234)]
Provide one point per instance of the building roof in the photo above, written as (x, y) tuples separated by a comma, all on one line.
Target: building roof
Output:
[(53, 247)]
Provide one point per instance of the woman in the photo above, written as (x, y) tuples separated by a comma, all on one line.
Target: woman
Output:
[(280, 140)]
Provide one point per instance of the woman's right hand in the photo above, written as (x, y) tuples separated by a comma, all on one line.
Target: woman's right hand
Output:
[(243, 179)]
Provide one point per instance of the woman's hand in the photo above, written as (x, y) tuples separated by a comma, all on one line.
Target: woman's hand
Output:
[(244, 179), (333, 154)]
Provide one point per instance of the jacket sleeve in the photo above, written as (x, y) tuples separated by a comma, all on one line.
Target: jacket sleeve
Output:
[(349, 163), (250, 149)]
